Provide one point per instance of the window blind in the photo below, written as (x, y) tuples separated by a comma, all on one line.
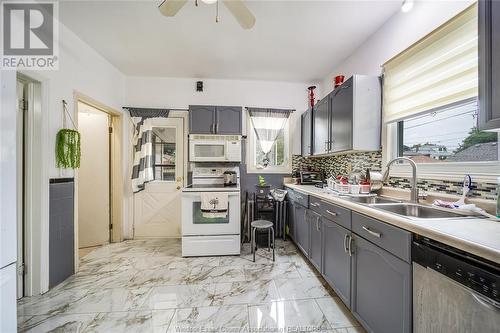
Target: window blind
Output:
[(440, 69)]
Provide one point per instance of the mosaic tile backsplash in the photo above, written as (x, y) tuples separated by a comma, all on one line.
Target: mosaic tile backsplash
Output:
[(346, 163)]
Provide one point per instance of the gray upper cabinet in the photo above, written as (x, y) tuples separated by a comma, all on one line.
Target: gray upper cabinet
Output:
[(381, 289), (314, 221), (301, 229), (489, 64), (349, 118), (306, 124), (336, 259), (201, 119), (228, 120), (206, 119), (341, 116), (321, 127)]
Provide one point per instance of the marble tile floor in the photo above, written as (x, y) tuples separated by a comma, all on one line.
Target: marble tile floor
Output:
[(146, 286)]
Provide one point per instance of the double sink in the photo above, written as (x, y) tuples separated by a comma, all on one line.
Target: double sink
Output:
[(406, 209)]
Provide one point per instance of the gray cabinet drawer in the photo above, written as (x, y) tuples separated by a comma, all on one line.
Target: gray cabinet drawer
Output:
[(395, 240), (298, 198), (332, 212)]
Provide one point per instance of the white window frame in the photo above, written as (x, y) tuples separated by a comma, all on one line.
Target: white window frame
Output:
[(451, 171), (250, 155)]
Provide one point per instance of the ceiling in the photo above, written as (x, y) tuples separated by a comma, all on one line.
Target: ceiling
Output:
[(299, 41)]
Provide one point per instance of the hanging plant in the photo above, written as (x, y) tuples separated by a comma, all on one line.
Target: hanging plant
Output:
[(68, 149)]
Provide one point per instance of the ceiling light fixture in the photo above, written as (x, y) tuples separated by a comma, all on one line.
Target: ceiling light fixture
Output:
[(407, 5)]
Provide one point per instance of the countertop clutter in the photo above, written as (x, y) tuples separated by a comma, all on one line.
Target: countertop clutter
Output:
[(477, 236)]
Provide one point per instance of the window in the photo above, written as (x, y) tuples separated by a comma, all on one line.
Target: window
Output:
[(279, 158), (430, 106), (447, 135), (164, 153)]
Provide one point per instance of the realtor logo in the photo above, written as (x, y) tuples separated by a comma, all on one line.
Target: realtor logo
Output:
[(29, 35)]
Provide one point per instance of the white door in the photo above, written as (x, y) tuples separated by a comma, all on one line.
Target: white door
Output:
[(157, 209), (20, 188), (93, 177)]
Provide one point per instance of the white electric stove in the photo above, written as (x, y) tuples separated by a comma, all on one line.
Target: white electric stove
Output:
[(202, 236)]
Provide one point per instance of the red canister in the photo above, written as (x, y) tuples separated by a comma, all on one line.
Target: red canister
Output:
[(339, 79)]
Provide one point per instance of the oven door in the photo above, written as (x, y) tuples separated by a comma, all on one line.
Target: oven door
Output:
[(207, 151), (195, 224)]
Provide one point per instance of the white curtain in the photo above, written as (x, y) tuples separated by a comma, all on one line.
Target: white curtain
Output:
[(268, 124)]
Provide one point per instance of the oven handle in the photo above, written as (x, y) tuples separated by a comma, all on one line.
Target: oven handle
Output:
[(197, 194)]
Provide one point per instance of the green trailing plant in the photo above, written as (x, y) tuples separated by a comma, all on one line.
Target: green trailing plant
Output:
[(262, 181), (68, 149)]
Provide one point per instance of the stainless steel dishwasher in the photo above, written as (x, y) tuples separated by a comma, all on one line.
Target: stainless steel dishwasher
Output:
[(453, 291)]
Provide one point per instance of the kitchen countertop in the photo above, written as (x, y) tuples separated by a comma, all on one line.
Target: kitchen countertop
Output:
[(478, 236)]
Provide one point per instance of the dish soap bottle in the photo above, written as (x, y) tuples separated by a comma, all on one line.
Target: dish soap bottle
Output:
[(498, 197)]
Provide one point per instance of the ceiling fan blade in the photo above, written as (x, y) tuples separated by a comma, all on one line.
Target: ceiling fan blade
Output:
[(240, 11), (171, 7)]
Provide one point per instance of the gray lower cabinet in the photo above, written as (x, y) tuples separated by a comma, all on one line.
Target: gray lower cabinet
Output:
[(381, 289), (336, 259), (306, 124), (315, 230), (301, 229), (489, 64)]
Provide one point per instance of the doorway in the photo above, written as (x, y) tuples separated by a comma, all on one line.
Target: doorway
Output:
[(94, 178), (157, 208)]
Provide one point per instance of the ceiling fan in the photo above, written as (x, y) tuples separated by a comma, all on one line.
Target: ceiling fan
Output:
[(237, 7)]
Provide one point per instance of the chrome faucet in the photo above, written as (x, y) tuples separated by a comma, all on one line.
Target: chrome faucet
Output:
[(413, 182)]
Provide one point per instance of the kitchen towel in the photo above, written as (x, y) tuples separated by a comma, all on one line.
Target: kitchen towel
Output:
[(214, 204)]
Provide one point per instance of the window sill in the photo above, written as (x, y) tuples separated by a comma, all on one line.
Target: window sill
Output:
[(479, 171), (284, 170)]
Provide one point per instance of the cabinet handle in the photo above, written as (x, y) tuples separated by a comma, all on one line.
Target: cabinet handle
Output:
[(299, 197), (318, 228), (331, 213), (315, 204), (212, 128), (346, 237), (371, 232), (216, 127), (350, 246)]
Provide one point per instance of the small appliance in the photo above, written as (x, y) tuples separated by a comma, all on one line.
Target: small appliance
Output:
[(230, 178), (214, 148), (310, 177)]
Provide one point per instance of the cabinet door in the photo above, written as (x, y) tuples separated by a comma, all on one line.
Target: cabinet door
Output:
[(301, 229), (489, 64), (321, 127), (341, 111), (314, 222), (381, 289), (291, 219), (307, 133), (336, 259), (228, 120), (201, 119)]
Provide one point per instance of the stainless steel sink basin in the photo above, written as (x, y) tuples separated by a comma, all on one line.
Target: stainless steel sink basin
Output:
[(373, 200), (416, 211)]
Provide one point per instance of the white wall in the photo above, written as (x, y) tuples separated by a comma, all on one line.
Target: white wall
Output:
[(83, 70), (181, 92), (396, 35)]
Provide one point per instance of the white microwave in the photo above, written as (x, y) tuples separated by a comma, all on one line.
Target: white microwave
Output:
[(214, 148)]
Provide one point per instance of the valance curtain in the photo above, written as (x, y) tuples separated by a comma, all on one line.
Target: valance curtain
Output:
[(268, 124), (439, 70), (143, 168)]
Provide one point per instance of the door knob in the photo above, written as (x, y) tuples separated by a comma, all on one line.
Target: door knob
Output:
[(178, 187)]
